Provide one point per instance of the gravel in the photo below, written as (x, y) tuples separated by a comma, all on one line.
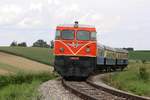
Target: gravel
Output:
[(53, 90)]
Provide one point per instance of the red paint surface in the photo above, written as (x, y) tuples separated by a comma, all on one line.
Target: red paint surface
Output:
[(75, 47)]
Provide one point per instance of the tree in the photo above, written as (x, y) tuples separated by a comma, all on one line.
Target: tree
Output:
[(23, 44), (52, 44), (40, 43), (14, 43)]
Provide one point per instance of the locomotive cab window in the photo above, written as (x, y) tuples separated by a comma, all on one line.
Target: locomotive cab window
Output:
[(67, 35), (58, 34), (93, 36), (83, 35)]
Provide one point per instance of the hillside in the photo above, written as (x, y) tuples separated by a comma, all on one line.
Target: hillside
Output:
[(21, 77), (14, 64), (43, 55)]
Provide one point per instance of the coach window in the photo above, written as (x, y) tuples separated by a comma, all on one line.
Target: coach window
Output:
[(57, 34), (93, 36), (67, 35), (83, 35)]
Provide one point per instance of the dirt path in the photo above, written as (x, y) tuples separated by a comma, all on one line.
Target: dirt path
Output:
[(22, 63)]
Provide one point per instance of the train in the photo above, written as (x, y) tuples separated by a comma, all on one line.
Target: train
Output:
[(78, 52)]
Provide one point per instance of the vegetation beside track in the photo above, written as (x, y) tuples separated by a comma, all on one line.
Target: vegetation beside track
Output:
[(43, 55), (22, 86), (136, 79)]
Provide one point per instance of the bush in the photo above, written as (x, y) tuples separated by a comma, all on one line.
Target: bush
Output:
[(143, 73), (22, 77), (23, 44), (22, 86), (14, 43), (143, 61), (40, 43)]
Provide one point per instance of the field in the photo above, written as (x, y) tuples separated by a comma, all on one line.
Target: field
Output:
[(135, 79), (43, 55), (139, 55), (13, 64), (20, 77)]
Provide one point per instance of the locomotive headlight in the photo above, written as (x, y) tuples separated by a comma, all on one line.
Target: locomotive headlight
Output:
[(88, 50), (61, 49)]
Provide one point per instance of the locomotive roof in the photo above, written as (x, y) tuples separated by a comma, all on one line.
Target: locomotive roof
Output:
[(72, 25)]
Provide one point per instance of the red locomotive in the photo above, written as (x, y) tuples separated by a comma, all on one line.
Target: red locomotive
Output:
[(77, 53)]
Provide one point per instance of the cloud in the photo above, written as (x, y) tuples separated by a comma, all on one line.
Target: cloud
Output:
[(30, 18), (44, 13), (9, 14)]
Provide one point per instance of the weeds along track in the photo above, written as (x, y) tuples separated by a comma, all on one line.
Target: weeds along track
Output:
[(88, 90)]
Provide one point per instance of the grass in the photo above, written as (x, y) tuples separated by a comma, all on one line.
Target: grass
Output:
[(20, 92), (43, 55), (139, 55), (9, 68), (132, 79), (22, 86)]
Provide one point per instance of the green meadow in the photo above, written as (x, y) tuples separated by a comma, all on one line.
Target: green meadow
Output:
[(22, 86), (43, 55), (139, 55)]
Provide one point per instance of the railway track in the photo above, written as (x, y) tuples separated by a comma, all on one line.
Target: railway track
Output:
[(88, 90)]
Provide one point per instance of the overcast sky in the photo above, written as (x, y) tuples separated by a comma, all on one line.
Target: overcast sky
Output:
[(119, 23)]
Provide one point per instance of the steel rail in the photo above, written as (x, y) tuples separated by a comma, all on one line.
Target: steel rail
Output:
[(88, 90), (120, 93)]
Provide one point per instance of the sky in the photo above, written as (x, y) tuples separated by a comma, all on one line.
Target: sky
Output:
[(119, 23)]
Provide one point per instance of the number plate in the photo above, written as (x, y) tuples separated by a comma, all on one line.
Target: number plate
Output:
[(74, 58)]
